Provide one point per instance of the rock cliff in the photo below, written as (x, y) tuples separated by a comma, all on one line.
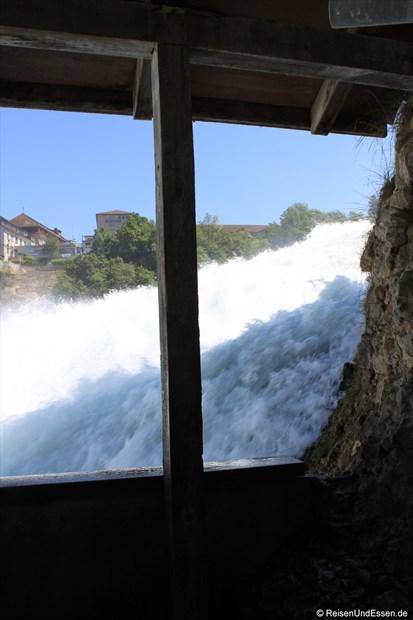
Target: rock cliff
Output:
[(369, 441), (361, 554), (26, 283)]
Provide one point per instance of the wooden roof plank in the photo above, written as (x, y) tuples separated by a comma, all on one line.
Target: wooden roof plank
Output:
[(297, 58), (106, 101), (285, 117), (127, 29), (29, 38), (65, 98)]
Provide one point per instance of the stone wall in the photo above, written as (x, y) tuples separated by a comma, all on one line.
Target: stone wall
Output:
[(23, 282), (369, 441)]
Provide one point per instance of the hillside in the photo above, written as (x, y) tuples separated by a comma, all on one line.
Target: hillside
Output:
[(21, 283)]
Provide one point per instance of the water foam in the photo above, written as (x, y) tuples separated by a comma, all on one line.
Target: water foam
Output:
[(80, 381)]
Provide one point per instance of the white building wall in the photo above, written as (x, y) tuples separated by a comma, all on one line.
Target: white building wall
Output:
[(9, 242)]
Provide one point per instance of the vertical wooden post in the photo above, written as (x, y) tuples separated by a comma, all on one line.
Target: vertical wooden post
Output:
[(179, 330)]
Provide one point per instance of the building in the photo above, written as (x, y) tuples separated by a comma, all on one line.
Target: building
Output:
[(65, 249), (111, 220), (25, 236), (37, 231), (87, 244), (12, 240)]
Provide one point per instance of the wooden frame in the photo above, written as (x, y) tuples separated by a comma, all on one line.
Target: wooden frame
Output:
[(179, 330), (132, 29), (170, 39), (328, 105)]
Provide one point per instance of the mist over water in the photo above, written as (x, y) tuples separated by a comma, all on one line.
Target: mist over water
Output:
[(80, 384)]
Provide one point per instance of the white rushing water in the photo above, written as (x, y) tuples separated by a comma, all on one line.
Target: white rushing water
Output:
[(80, 381)]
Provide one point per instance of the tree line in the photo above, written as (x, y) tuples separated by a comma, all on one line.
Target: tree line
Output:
[(126, 258)]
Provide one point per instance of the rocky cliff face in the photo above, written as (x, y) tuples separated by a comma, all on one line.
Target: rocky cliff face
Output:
[(24, 283), (369, 440), (361, 554)]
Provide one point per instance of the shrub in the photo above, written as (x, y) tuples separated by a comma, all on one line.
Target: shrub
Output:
[(93, 275)]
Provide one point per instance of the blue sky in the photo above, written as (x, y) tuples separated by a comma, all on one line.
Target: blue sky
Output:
[(63, 167)]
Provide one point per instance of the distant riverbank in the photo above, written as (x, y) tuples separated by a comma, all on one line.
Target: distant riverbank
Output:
[(26, 282)]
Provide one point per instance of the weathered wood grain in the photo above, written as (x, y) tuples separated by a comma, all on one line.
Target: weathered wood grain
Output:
[(107, 101), (73, 43), (142, 90), (241, 43), (179, 330), (328, 105), (65, 98)]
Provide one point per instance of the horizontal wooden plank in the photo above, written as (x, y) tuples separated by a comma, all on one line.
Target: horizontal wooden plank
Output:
[(240, 112), (125, 28), (65, 98), (288, 464), (210, 83), (105, 101), (279, 465), (55, 68), (74, 43), (312, 13), (227, 111), (265, 88), (340, 69)]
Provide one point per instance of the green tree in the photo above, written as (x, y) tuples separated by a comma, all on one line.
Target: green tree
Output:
[(209, 220), (93, 275), (247, 245), (296, 223), (210, 240), (51, 248), (273, 235), (327, 217), (68, 286), (217, 244), (135, 242), (103, 242)]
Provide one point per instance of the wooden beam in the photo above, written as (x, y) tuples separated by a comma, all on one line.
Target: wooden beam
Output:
[(340, 69), (142, 90), (264, 115), (65, 98), (240, 43), (102, 101), (328, 105), (247, 113), (74, 43), (179, 331)]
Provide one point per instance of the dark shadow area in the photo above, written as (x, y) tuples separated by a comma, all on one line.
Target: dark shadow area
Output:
[(337, 564), (98, 549)]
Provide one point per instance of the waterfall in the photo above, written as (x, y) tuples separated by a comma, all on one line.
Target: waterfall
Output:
[(80, 381)]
